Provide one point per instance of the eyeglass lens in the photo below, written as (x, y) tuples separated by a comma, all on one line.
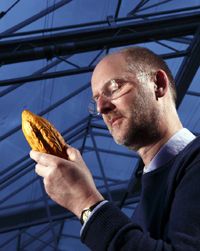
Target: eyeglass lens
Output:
[(92, 107)]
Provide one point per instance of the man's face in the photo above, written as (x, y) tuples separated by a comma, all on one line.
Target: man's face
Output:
[(132, 119)]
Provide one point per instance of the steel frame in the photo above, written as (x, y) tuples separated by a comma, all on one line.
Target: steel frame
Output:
[(127, 33)]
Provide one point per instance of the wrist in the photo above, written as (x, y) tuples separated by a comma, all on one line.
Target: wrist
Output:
[(87, 211), (86, 203)]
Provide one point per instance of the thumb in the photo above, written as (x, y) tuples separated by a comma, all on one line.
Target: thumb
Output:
[(73, 153)]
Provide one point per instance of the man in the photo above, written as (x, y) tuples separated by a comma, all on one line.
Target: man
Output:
[(134, 91)]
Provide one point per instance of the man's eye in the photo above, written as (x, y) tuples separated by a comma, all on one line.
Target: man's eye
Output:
[(113, 86)]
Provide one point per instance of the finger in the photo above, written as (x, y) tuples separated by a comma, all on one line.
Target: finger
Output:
[(41, 170), (42, 158), (72, 152)]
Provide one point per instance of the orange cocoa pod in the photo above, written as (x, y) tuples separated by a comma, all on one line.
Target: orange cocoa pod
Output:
[(42, 136)]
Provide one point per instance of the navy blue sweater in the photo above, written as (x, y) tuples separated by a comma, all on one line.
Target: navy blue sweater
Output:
[(167, 217)]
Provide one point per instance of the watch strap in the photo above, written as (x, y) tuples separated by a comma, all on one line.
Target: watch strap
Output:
[(89, 209)]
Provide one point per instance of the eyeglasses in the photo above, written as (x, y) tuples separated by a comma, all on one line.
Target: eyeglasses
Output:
[(113, 89)]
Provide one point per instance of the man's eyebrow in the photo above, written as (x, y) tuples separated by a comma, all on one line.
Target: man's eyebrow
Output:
[(107, 82), (102, 88)]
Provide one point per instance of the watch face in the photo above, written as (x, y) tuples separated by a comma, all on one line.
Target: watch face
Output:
[(86, 214)]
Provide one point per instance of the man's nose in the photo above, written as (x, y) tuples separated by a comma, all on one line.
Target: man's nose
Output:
[(104, 105)]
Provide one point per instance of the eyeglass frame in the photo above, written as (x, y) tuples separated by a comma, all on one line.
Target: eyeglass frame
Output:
[(95, 98)]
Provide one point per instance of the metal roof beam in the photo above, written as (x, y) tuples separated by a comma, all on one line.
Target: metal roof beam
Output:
[(34, 217), (96, 39), (114, 183), (101, 23), (39, 76), (24, 169), (50, 75), (37, 235), (15, 175), (50, 51), (13, 237), (17, 128), (10, 195), (192, 93), (48, 213), (137, 8), (183, 40), (35, 17), (188, 68), (133, 155), (84, 120), (118, 8), (37, 73), (100, 164)]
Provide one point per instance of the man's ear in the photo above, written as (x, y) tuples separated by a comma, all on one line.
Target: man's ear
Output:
[(161, 83)]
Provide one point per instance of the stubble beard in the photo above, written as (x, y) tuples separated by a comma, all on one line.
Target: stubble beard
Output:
[(140, 128), (136, 136)]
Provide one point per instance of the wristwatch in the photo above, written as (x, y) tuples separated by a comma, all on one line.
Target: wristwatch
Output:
[(87, 211)]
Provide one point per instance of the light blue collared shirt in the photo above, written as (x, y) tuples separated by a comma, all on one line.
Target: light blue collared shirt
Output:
[(173, 146)]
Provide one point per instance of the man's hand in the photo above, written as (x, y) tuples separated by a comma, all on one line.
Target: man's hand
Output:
[(69, 183)]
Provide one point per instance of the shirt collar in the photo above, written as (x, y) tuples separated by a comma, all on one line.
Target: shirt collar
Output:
[(173, 146)]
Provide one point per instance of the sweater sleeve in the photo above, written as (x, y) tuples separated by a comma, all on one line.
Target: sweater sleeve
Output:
[(110, 229)]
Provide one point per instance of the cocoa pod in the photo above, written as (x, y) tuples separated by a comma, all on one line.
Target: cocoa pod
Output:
[(42, 136)]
